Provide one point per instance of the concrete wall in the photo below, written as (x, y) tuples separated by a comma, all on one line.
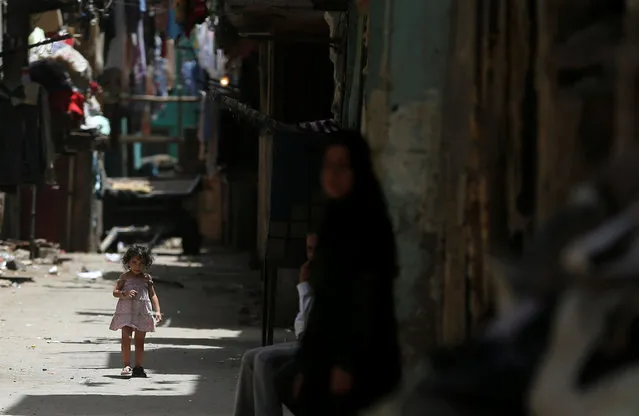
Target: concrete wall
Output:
[(407, 57)]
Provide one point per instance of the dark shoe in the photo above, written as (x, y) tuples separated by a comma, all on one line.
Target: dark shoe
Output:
[(139, 372)]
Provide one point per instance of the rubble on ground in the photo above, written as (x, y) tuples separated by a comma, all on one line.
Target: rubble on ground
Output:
[(15, 259)]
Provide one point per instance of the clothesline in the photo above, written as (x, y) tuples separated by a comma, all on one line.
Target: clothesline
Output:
[(161, 99), (263, 121), (35, 45)]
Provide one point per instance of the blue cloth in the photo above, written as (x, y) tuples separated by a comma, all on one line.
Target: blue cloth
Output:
[(173, 30), (193, 76)]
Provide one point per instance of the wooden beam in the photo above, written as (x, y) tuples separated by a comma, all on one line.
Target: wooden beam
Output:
[(627, 64), (128, 138), (547, 141), (290, 38), (162, 99), (456, 133)]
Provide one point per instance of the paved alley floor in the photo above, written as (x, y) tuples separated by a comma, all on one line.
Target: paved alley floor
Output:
[(58, 357)]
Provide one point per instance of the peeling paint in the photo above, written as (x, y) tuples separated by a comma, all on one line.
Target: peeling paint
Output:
[(406, 146), (408, 49)]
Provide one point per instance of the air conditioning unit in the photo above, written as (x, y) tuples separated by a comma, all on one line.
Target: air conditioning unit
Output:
[(331, 5)]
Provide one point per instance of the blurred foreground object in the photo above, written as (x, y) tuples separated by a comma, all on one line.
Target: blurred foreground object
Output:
[(566, 338)]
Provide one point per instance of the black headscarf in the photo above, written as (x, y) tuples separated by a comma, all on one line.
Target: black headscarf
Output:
[(356, 230), (352, 321)]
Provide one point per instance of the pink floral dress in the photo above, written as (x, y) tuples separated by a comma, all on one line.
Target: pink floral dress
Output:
[(136, 313)]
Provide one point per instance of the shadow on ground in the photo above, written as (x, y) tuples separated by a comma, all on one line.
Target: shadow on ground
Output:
[(190, 374), (186, 376), (194, 393)]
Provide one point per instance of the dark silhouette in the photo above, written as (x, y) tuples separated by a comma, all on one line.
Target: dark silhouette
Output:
[(349, 356)]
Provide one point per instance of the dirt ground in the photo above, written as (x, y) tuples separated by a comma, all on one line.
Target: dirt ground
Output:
[(59, 357)]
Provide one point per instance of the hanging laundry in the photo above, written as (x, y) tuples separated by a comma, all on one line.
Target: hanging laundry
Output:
[(207, 55), (75, 64), (173, 29), (169, 46), (160, 77), (115, 77), (76, 106), (137, 63), (189, 78), (98, 123), (189, 13), (134, 10), (38, 52)]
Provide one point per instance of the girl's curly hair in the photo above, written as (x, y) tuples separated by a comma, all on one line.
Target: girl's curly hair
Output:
[(137, 251)]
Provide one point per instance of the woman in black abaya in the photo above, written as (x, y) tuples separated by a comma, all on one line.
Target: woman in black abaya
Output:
[(349, 356)]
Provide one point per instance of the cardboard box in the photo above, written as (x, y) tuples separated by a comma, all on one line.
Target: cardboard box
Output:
[(50, 22)]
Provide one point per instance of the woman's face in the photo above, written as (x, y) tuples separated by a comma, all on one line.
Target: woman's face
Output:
[(337, 176)]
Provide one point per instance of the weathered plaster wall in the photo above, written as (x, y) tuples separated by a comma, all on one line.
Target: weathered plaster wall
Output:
[(408, 52)]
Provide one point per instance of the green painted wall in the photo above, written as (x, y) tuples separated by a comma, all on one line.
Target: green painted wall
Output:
[(408, 53)]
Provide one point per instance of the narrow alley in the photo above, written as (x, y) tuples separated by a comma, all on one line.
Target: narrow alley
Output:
[(59, 357)]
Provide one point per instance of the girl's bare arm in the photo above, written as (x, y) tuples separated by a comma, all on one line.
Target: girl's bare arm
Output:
[(117, 291), (155, 301)]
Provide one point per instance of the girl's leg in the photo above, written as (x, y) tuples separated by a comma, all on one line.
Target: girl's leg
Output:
[(139, 348), (126, 345)]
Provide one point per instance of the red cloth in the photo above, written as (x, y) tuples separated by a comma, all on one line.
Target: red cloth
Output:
[(67, 101), (59, 100), (196, 16), (95, 87), (76, 105)]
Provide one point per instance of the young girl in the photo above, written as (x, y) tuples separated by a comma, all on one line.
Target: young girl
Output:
[(134, 311)]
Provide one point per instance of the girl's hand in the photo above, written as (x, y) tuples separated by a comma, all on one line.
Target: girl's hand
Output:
[(158, 317), (341, 381), (131, 294)]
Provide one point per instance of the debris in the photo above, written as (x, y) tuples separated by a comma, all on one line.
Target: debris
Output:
[(89, 275), (45, 252), (113, 257), (16, 280), (22, 254), (53, 270), (49, 255), (4, 258), (15, 265)]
